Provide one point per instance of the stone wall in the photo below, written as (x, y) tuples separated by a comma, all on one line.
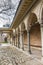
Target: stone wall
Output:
[(35, 35)]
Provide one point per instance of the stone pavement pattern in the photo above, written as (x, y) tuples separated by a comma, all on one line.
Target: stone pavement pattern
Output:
[(36, 52), (11, 56)]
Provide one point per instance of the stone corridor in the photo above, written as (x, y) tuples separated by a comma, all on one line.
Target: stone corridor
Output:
[(21, 32), (10, 55)]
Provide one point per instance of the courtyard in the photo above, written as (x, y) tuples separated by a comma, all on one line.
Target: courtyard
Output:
[(10, 55)]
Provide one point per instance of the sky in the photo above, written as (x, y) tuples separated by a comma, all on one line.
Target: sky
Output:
[(7, 11)]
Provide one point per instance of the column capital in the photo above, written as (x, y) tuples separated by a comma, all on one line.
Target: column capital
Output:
[(21, 32)]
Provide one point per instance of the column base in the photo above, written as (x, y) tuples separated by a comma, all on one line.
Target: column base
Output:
[(18, 45), (30, 52), (23, 49)]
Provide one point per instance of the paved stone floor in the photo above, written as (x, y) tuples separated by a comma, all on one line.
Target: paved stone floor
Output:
[(9, 55), (36, 52)]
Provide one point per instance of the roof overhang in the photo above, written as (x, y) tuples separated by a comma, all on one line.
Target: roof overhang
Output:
[(5, 30), (24, 7)]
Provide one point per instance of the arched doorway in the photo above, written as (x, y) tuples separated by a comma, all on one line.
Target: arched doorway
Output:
[(35, 35), (24, 31)]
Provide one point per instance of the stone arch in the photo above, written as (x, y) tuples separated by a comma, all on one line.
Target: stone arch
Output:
[(35, 39), (32, 20), (35, 35), (34, 27), (23, 29)]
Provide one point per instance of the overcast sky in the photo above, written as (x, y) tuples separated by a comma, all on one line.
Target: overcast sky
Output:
[(7, 14)]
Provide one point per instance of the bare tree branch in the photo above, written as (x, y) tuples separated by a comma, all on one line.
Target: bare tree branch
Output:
[(8, 9)]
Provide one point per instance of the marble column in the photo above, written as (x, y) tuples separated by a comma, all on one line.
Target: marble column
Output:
[(14, 40), (10, 38), (1, 39), (21, 41), (18, 40), (28, 41)]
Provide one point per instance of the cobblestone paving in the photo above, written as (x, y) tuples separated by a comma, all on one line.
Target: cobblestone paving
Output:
[(11, 56), (36, 52)]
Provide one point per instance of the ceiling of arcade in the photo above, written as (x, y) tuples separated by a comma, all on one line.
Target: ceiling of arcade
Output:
[(32, 19), (24, 7)]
